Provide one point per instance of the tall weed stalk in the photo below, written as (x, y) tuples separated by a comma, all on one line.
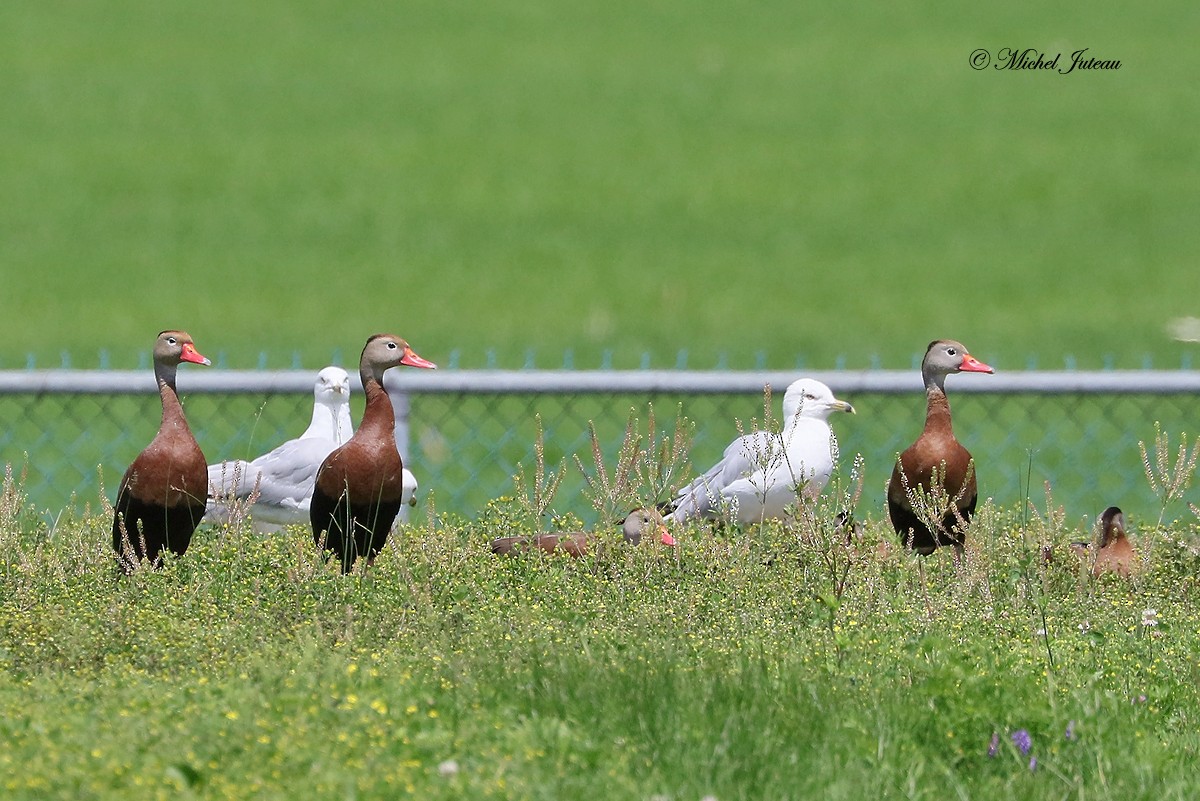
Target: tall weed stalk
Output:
[(646, 468), (535, 498), (1168, 482)]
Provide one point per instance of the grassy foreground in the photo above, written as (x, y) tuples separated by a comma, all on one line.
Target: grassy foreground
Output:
[(775, 663)]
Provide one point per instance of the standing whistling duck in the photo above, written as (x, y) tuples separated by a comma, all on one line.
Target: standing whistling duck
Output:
[(760, 473), (360, 486), (936, 450), (578, 543), (1114, 553), (161, 497)]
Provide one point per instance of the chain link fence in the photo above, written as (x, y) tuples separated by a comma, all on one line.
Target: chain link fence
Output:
[(71, 434)]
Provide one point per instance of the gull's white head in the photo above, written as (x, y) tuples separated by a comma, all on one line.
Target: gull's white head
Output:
[(332, 387), (331, 410), (810, 398)]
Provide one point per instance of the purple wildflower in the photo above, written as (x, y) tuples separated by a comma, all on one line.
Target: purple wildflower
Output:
[(1070, 732), (1033, 763), (1022, 741), (994, 745)]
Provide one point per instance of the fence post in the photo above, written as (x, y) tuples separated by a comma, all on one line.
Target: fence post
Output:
[(401, 402)]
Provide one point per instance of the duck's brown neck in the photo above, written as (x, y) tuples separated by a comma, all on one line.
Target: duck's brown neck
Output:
[(172, 409), (378, 418), (937, 410)]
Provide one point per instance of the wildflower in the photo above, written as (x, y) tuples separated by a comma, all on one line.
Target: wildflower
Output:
[(1069, 734), (1149, 618), (994, 745), (448, 768), (1022, 741), (1033, 763), (1085, 627)]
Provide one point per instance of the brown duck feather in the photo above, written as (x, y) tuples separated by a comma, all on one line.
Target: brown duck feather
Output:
[(580, 543), (936, 451), (1114, 552), (359, 486), (161, 497)]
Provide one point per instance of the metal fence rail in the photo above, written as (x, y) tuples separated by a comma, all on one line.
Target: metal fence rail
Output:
[(465, 433)]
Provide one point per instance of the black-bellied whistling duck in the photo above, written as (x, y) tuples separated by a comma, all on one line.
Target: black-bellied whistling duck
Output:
[(578, 543), (161, 497), (1114, 553), (936, 450), (360, 486)]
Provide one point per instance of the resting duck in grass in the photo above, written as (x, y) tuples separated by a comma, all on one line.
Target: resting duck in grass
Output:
[(579, 543), (360, 486), (1112, 549), (161, 497), (762, 475), (936, 450)]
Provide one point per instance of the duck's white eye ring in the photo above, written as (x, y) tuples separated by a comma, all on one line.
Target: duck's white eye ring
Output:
[(952, 351), (392, 346)]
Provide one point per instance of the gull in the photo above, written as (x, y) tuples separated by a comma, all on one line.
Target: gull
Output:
[(762, 474), (284, 477)]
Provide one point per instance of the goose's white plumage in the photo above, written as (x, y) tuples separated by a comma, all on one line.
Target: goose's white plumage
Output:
[(758, 476), (285, 476)]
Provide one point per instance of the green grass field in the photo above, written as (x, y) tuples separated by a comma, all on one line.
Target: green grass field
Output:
[(772, 184), (777, 663), (801, 183)]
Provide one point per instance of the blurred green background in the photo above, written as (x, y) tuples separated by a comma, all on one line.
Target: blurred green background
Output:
[(770, 183)]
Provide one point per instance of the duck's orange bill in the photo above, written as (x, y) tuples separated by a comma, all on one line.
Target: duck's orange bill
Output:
[(190, 354), (972, 365), (665, 536), (413, 360)]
